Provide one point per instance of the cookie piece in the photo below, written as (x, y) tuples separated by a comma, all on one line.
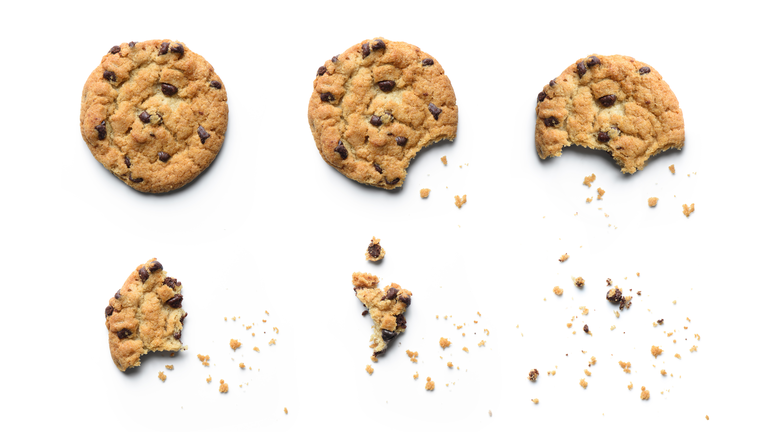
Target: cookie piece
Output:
[(154, 113), (376, 105), (375, 252), (386, 308), (611, 103), (145, 315)]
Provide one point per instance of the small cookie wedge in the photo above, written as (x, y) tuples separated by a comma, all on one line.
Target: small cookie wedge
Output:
[(145, 315), (375, 252), (386, 308)]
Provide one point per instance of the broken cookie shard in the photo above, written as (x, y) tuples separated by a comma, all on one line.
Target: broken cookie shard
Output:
[(386, 308)]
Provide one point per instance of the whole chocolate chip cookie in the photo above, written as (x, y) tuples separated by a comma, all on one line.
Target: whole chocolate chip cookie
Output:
[(145, 315), (376, 105), (612, 103), (386, 308), (154, 113)]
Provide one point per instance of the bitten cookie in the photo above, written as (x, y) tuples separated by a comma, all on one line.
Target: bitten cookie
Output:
[(376, 105), (611, 103), (154, 113), (145, 315), (386, 308)]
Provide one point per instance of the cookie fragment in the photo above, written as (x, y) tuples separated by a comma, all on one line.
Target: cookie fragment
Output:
[(386, 308), (375, 252), (652, 201), (688, 210), (460, 201), (424, 193)]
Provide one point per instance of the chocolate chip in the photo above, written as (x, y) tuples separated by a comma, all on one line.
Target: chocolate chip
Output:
[(155, 266), (427, 62), (550, 122), (365, 312), (552, 83), (393, 182), (115, 49), (586, 328), (386, 86), (614, 295), (109, 76), (177, 335), (366, 50), (215, 84), (204, 135), (377, 353), (391, 293), (379, 44), (387, 335), (175, 301), (581, 69), (603, 137), (131, 44), (164, 48), (378, 169), (405, 298), (124, 333), (644, 70), (144, 117), (168, 89), (178, 48), (171, 282), (593, 61), (335, 58), (434, 110), (341, 150), (101, 128), (108, 311), (401, 321), (608, 100), (401, 141), (542, 96), (127, 161), (163, 156), (182, 318), (321, 71), (374, 250), (376, 120), (661, 321), (135, 180), (326, 97), (117, 294)]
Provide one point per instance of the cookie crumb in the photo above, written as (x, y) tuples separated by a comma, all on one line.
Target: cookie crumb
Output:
[(375, 252), (416, 375), (564, 257), (482, 343), (430, 384), (223, 387), (592, 361), (672, 168), (374, 359), (444, 343), (490, 413), (631, 386), (688, 210), (162, 376), (664, 372), (600, 193), (677, 356), (242, 365), (444, 159), (656, 351), (583, 383), (535, 401), (707, 417), (169, 367), (460, 201), (272, 342), (533, 375), (645, 394), (234, 344), (369, 369), (652, 201), (256, 349), (424, 193), (588, 180), (465, 349), (589, 200), (450, 364), (209, 379), (579, 282), (694, 348), (625, 366), (587, 372), (557, 290), (285, 410)]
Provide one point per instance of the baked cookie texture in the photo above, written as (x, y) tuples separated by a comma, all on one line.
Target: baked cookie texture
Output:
[(386, 308), (145, 315), (376, 105), (611, 103), (154, 113)]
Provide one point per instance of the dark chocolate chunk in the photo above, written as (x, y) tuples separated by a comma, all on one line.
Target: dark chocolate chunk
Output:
[(203, 134), (405, 298), (115, 49), (377, 168), (215, 84), (155, 266), (393, 182), (366, 50), (177, 335), (387, 335), (175, 301), (386, 86), (586, 328), (603, 137), (644, 70), (391, 293), (378, 44), (401, 321), (135, 180), (109, 76), (550, 122), (542, 96), (401, 141), (117, 294), (183, 317), (108, 311), (427, 62), (178, 48), (434, 110), (164, 48), (552, 83), (378, 353), (163, 156), (661, 321), (168, 89), (581, 69), (171, 282), (321, 71), (335, 58), (326, 97), (341, 150), (144, 117), (124, 333), (375, 120), (607, 100), (614, 295), (127, 161), (365, 312), (374, 250), (131, 44), (593, 61), (101, 128)]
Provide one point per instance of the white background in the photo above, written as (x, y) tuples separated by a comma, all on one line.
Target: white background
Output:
[(269, 226)]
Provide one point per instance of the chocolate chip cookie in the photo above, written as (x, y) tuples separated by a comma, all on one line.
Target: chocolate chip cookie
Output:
[(145, 315), (386, 308), (611, 103), (376, 105), (154, 113)]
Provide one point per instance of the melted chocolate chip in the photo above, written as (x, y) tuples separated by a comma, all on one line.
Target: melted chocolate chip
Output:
[(427, 62), (163, 156), (401, 321), (101, 128), (108, 311), (124, 333), (109, 76), (215, 84), (391, 293), (131, 44), (581, 69), (386, 86), (335, 58), (144, 117), (178, 48), (375, 120), (177, 335), (171, 282), (608, 100), (387, 335), (401, 141), (117, 294), (378, 44), (203, 134), (326, 97), (164, 48), (586, 328), (127, 161), (434, 110), (593, 61), (341, 150), (321, 71), (135, 180), (393, 182), (541, 96), (405, 298), (603, 137), (366, 50), (374, 250), (182, 318), (377, 353), (115, 49), (378, 169), (168, 89), (550, 122), (175, 301), (155, 266), (644, 70), (552, 83), (365, 312)]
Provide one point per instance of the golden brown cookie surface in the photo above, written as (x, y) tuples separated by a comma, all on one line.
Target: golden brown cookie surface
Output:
[(386, 308)]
